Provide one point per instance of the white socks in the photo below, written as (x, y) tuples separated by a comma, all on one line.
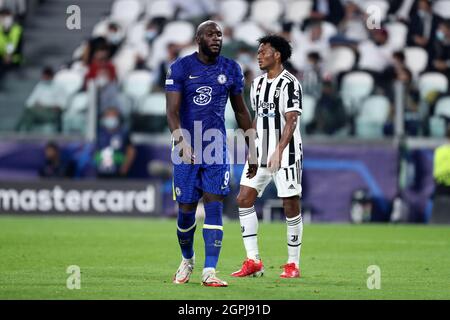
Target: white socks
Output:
[(294, 238), (249, 229)]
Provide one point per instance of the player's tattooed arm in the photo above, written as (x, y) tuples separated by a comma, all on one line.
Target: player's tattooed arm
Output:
[(173, 104), (244, 121), (286, 136)]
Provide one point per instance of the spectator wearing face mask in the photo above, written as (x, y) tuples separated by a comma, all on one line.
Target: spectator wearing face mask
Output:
[(103, 73), (114, 37), (422, 27), (441, 62), (115, 153), (11, 35)]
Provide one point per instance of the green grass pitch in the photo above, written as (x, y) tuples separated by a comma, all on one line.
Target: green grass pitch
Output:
[(131, 258)]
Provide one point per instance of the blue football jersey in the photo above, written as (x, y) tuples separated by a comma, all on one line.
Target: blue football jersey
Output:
[(205, 90)]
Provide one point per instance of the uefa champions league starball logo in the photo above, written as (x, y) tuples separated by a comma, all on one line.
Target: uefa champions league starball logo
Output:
[(222, 78)]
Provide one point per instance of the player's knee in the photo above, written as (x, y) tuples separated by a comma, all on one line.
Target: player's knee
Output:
[(291, 206), (244, 201)]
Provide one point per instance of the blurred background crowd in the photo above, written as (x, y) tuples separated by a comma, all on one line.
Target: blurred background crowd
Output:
[(347, 54)]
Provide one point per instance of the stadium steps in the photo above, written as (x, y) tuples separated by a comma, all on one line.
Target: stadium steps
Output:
[(47, 41)]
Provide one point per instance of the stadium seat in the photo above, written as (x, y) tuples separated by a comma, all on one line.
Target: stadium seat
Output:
[(298, 10), (179, 32), (437, 126), (266, 12), (373, 115), (340, 59), (126, 12), (442, 8), (160, 8), (397, 34), (71, 81), (382, 5), (308, 109), (233, 11), (416, 59), (432, 82), (248, 32), (328, 29), (125, 61), (137, 85), (74, 118), (151, 114), (443, 107), (355, 87), (101, 28), (136, 33)]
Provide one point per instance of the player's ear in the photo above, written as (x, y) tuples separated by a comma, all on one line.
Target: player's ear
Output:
[(277, 55)]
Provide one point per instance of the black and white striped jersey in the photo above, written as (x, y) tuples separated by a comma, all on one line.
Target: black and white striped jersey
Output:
[(272, 99)]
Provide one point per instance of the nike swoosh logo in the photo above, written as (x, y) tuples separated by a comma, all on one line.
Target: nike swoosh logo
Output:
[(193, 77)]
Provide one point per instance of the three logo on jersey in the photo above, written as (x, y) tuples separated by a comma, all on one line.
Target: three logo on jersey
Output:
[(205, 92)]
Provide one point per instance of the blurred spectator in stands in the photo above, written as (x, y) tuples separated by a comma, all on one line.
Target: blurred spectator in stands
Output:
[(312, 75), (423, 26), (328, 10), (398, 71), (173, 51), (441, 60), (329, 115), (375, 56), (11, 35), (115, 153), (195, 11), (352, 27), (103, 73), (55, 166), (44, 105), (441, 174), (312, 40), (115, 37), (17, 7)]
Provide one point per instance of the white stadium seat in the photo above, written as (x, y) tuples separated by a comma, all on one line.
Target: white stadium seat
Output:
[(308, 110), (442, 8), (138, 84), (355, 87), (443, 107), (233, 11), (179, 32), (437, 126), (340, 59), (373, 115), (432, 82), (160, 8), (298, 10), (153, 104), (416, 59), (74, 118), (397, 34), (266, 12), (248, 32), (126, 12), (71, 81)]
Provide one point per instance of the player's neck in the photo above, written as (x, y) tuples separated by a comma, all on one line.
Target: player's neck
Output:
[(275, 72), (206, 59)]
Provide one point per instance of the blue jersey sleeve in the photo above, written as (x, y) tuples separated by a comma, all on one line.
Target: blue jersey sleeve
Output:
[(174, 77), (238, 83)]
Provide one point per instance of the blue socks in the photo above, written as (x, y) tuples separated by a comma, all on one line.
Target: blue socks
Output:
[(185, 232), (212, 233)]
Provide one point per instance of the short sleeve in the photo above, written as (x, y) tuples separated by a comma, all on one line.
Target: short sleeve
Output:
[(293, 97), (238, 83), (174, 77)]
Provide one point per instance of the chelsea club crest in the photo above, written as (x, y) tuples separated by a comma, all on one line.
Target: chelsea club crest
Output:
[(222, 78)]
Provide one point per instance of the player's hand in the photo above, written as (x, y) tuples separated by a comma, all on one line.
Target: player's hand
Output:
[(274, 163), (252, 170), (186, 153)]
